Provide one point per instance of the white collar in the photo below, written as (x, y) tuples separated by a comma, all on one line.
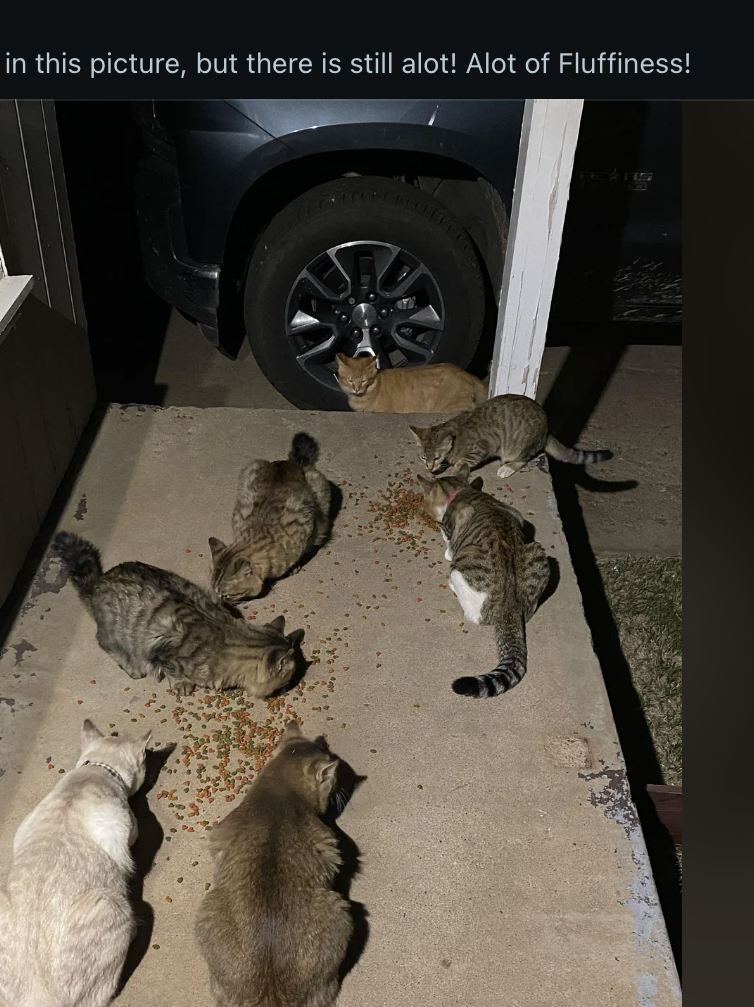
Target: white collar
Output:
[(110, 770)]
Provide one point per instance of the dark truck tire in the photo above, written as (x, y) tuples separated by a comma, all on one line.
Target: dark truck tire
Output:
[(352, 211)]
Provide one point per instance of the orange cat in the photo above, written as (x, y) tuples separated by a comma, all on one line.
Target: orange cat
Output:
[(432, 388)]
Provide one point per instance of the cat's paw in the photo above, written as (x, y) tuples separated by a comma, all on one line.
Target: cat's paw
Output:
[(504, 471), (183, 688), (448, 555)]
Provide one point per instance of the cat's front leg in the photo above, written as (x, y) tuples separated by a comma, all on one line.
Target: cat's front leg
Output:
[(130, 670), (448, 553), (121, 658), (510, 468), (181, 686)]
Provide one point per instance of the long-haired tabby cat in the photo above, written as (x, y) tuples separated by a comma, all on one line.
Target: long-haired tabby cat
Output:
[(281, 516), (151, 621), (512, 428), (272, 929), (431, 388), (495, 575), (66, 921)]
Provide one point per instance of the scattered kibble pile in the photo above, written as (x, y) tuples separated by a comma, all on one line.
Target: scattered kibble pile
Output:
[(226, 739), (398, 510)]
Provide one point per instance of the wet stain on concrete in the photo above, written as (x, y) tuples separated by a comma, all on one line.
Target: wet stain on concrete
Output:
[(13, 706), (24, 647), (614, 797), (44, 583), (652, 943), (81, 509)]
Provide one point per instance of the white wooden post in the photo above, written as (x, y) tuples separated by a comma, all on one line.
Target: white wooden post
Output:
[(543, 177)]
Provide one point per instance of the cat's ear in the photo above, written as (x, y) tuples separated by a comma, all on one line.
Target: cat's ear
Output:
[(291, 730), (140, 746), (278, 624), (343, 359), (326, 776), (216, 547), (89, 733), (418, 433), (425, 483), (296, 636), (463, 472), (446, 444), (476, 484)]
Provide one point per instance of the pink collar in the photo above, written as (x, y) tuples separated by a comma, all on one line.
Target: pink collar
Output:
[(451, 498)]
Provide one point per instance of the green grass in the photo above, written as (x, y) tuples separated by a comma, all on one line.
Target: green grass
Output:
[(645, 597)]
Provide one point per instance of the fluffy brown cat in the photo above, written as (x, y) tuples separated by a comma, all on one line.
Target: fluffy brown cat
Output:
[(431, 388), (272, 929), (281, 516)]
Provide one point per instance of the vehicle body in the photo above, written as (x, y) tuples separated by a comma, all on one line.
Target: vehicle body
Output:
[(365, 226)]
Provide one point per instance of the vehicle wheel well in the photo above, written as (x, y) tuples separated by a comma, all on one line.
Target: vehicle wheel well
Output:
[(472, 199)]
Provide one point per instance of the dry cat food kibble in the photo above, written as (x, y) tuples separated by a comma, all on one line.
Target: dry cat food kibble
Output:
[(227, 739), (397, 510)]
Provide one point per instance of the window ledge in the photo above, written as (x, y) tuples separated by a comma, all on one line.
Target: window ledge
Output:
[(13, 292)]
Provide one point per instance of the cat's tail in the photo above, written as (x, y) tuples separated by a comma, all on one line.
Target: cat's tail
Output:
[(574, 456), (80, 559), (304, 451), (511, 665)]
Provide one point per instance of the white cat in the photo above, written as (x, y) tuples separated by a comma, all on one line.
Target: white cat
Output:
[(65, 918)]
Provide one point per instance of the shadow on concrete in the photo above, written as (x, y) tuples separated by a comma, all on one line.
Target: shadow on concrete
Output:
[(126, 321), (31, 569), (572, 399), (346, 784), (144, 852)]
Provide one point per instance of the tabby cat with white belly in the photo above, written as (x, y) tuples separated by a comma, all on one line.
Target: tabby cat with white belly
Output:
[(512, 428), (496, 576)]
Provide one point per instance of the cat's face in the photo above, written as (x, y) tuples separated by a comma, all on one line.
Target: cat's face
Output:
[(282, 663), (233, 577), (437, 492), (282, 659), (356, 374), (127, 757), (436, 445)]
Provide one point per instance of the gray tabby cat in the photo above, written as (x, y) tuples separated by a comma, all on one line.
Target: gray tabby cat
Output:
[(66, 921), (495, 575), (281, 516), (512, 428), (151, 621), (272, 929)]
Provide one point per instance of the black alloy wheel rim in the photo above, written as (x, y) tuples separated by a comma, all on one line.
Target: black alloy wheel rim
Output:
[(364, 298)]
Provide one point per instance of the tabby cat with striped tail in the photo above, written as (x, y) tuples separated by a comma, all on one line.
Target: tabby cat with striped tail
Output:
[(151, 621), (512, 428), (495, 575)]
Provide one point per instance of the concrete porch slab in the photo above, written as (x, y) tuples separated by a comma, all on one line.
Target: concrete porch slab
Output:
[(502, 859)]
